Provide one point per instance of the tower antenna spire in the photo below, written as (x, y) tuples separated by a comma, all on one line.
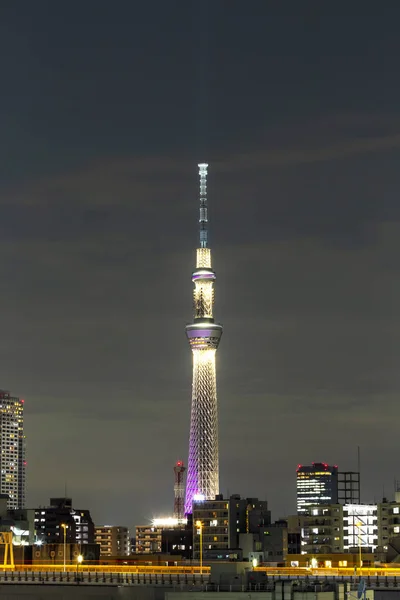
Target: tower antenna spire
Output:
[(203, 221)]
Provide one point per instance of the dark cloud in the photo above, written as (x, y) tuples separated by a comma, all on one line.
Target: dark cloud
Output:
[(98, 216)]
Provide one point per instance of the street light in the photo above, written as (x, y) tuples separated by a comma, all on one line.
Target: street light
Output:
[(65, 527), (199, 524), (358, 524), (78, 562)]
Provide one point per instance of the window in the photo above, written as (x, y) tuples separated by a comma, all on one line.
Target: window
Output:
[(396, 510)]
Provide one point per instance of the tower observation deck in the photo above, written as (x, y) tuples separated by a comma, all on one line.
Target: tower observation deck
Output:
[(204, 336)]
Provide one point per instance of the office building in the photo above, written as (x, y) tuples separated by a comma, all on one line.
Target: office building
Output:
[(204, 336), (317, 485), (12, 446), (113, 540), (59, 519), (223, 520)]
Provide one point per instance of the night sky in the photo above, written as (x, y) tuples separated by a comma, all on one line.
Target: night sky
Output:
[(105, 111)]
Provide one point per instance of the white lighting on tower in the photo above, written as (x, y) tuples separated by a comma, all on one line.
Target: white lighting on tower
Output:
[(204, 336)]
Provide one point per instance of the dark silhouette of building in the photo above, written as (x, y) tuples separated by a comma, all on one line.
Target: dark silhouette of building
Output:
[(178, 541), (59, 519)]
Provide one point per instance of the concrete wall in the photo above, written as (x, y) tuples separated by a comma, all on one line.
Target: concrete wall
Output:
[(220, 595), (79, 592)]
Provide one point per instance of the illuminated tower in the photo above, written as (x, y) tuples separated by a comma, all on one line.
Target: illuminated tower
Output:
[(179, 490), (204, 336)]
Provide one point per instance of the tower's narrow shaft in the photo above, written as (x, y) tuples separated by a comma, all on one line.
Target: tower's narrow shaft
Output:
[(204, 336)]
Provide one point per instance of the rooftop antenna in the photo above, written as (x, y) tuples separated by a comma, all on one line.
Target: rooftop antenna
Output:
[(203, 221)]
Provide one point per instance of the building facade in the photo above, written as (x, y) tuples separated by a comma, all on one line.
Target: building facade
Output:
[(113, 540), (148, 539), (338, 528), (360, 526), (12, 446), (221, 522), (178, 540), (59, 519), (204, 336), (322, 530), (388, 521), (317, 484)]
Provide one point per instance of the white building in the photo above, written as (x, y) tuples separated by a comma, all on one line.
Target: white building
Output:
[(360, 526), (12, 446)]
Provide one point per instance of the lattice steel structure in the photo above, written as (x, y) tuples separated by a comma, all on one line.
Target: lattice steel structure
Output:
[(179, 490), (204, 336)]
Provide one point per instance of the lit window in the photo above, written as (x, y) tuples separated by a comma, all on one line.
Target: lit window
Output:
[(396, 510)]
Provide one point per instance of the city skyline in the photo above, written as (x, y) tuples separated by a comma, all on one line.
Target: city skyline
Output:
[(104, 117)]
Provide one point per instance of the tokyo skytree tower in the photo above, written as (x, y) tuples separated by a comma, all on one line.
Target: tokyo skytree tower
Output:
[(204, 336)]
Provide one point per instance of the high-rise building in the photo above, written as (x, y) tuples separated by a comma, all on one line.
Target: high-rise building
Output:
[(113, 540), (204, 336), (317, 484), (12, 446)]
